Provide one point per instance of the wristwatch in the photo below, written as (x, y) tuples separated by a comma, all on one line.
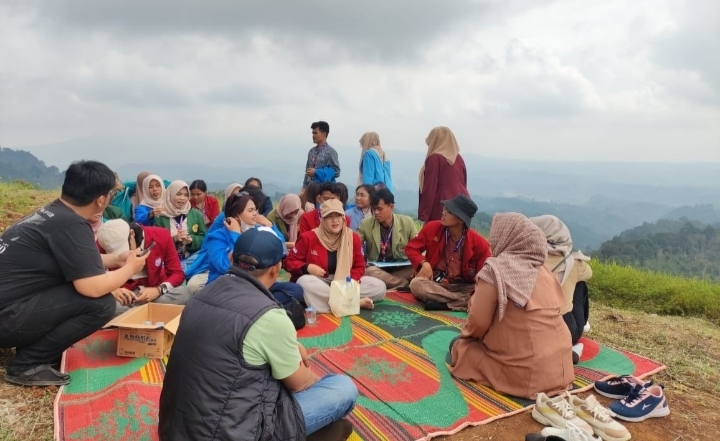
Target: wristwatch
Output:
[(163, 289)]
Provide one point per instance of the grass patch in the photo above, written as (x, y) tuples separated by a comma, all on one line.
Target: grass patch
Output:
[(629, 288), (689, 347), (19, 198), (26, 413)]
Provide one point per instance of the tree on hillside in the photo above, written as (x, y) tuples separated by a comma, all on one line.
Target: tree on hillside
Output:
[(22, 165), (691, 250)]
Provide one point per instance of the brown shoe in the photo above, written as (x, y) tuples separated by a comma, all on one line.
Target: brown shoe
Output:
[(335, 431)]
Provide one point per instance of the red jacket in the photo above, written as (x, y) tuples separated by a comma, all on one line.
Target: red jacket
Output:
[(163, 263), (311, 220), (431, 239), (308, 249), (442, 182), (212, 208)]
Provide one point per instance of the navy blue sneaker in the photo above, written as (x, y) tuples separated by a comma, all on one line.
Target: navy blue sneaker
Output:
[(642, 403), (619, 387)]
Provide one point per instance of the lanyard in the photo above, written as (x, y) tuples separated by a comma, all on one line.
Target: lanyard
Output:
[(384, 243), (317, 152), (178, 225), (457, 248)]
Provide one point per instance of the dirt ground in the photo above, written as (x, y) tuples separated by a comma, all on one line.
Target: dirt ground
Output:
[(693, 416)]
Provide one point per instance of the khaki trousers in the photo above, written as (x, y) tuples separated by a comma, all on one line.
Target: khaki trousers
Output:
[(456, 295), (393, 277)]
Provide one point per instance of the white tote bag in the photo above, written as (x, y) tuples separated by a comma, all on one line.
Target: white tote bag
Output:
[(344, 297)]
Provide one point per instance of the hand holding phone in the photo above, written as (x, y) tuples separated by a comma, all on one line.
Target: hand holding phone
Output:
[(147, 249)]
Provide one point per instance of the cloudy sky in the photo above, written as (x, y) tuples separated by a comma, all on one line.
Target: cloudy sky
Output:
[(568, 79)]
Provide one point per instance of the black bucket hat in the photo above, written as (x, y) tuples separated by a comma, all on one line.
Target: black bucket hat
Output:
[(462, 207)]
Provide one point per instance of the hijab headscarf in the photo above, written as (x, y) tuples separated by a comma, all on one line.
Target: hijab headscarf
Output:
[(369, 141), (341, 242), (440, 141), (169, 209), (519, 250), (559, 243), (147, 200), (139, 195), (230, 189), (288, 204)]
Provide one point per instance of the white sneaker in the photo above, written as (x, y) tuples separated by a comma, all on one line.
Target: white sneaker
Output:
[(586, 328), (557, 412), (578, 349), (570, 433), (600, 418)]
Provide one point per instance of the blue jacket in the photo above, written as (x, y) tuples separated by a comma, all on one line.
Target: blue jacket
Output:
[(375, 171), (142, 215), (356, 216), (218, 245)]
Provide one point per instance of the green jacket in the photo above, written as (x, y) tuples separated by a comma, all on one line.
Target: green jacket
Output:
[(275, 218), (196, 228), (112, 212), (403, 231)]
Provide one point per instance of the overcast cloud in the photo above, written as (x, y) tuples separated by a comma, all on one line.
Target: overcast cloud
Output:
[(566, 79)]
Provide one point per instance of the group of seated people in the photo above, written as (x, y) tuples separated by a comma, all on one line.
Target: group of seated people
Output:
[(524, 290)]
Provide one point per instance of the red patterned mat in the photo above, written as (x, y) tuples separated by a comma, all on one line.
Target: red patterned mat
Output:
[(396, 354)]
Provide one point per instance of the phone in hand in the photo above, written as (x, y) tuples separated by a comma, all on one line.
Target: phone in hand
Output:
[(147, 249)]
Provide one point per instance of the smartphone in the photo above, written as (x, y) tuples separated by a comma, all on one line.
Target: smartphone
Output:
[(147, 250)]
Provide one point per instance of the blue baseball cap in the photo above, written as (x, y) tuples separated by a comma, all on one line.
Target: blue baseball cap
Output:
[(258, 248)]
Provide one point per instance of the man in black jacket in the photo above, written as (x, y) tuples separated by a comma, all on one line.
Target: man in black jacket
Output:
[(237, 372)]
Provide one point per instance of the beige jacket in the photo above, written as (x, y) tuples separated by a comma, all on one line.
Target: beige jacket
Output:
[(580, 272)]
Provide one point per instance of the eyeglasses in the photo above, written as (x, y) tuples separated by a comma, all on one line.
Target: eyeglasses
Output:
[(112, 193)]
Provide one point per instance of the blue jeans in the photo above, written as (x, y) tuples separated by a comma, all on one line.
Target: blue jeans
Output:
[(283, 290), (327, 401)]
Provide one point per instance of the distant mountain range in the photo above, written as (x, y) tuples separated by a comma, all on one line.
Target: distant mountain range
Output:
[(597, 200)]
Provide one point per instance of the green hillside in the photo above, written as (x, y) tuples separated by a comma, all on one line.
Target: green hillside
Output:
[(685, 248)]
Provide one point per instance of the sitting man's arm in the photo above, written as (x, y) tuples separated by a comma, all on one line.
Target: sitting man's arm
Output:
[(272, 340), (303, 377)]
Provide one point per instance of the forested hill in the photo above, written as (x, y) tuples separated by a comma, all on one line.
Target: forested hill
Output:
[(687, 248), (22, 165)]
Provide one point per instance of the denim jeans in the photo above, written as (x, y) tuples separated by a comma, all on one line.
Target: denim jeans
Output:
[(44, 325), (327, 401), (283, 290)]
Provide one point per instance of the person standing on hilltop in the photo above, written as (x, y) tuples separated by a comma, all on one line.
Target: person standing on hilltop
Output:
[(322, 161), (443, 176), (375, 168)]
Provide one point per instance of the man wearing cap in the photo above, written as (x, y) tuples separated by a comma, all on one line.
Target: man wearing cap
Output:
[(161, 280), (237, 371), (454, 254)]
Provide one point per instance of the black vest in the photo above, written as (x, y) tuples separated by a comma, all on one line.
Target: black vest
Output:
[(210, 392)]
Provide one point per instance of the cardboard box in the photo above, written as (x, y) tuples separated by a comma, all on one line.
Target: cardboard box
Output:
[(136, 339)]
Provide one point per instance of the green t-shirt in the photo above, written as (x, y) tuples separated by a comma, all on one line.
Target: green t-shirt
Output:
[(272, 340)]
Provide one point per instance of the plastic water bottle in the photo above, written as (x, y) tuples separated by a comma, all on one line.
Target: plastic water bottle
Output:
[(348, 283)]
